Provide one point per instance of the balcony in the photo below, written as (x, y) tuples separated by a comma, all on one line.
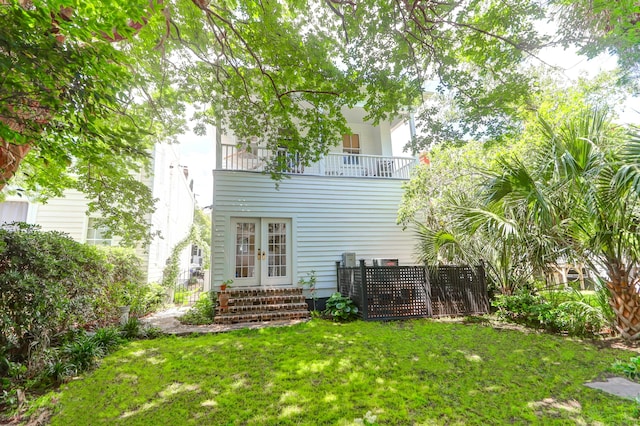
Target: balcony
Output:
[(332, 164)]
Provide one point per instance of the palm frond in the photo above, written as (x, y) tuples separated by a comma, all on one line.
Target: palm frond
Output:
[(435, 245)]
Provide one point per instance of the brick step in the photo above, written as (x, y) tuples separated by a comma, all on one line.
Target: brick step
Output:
[(262, 316), (260, 292), (265, 308), (265, 300)]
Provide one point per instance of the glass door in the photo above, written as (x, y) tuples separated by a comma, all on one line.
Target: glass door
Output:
[(276, 246), (261, 252), (245, 252)]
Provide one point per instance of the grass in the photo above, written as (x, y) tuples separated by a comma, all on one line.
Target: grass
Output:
[(321, 373)]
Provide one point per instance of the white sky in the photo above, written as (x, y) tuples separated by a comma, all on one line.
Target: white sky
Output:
[(197, 152)]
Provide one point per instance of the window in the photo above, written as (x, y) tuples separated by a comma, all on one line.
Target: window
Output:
[(96, 234), (13, 211), (351, 145)]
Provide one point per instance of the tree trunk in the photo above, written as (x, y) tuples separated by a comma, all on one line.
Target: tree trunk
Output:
[(10, 158), (625, 301)]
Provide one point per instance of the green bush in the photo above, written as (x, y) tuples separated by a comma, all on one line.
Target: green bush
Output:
[(561, 314), (132, 328), (181, 297), (149, 299), (48, 282), (108, 338), (126, 285), (51, 285), (203, 312), (341, 308)]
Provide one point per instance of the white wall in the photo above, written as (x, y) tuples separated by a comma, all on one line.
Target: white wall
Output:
[(330, 215), (174, 210)]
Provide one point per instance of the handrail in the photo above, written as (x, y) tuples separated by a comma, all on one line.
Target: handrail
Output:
[(257, 159)]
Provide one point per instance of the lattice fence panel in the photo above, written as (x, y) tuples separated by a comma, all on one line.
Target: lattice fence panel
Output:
[(458, 290), (350, 284), (395, 292)]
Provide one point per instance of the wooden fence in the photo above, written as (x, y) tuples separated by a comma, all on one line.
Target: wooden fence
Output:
[(396, 292)]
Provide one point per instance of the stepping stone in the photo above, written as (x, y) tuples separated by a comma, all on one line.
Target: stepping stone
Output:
[(617, 386)]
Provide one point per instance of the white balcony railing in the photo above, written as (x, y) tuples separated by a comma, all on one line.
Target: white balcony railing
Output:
[(332, 164)]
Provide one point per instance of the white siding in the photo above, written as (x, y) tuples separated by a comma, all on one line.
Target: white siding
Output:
[(330, 215), (65, 214)]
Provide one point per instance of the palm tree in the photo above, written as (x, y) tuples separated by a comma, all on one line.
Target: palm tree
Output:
[(582, 190), (577, 196)]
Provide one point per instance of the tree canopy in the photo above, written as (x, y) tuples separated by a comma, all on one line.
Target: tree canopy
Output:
[(88, 86)]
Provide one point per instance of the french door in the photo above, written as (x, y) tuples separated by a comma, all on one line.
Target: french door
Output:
[(261, 252)]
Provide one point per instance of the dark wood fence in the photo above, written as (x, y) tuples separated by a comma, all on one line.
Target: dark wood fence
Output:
[(395, 292)]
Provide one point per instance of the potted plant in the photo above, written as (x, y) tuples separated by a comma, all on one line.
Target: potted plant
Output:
[(225, 284), (124, 298), (223, 297)]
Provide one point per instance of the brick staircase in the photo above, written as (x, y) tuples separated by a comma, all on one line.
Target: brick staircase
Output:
[(260, 304)]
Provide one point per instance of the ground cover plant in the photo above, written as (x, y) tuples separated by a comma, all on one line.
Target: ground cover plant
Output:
[(557, 311), (321, 372)]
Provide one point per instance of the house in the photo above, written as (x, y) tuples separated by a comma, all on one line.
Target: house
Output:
[(273, 237), (170, 185)]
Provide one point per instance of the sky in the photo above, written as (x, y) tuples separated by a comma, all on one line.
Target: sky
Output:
[(197, 152)]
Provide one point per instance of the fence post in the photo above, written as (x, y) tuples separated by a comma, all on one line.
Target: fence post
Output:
[(483, 286), (427, 291), (338, 276), (363, 280)]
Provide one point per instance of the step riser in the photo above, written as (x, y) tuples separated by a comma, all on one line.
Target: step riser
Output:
[(265, 308), (261, 317), (271, 300)]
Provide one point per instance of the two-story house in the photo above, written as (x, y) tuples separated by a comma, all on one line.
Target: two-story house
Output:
[(270, 237)]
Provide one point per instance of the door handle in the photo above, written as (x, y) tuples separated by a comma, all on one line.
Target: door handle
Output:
[(262, 255)]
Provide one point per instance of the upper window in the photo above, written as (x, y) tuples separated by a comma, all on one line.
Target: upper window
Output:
[(96, 234), (351, 145)]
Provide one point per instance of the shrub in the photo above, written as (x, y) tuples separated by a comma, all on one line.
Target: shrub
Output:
[(126, 285), (341, 308), (574, 317), (149, 299), (135, 329), (132, 328), (181, 297), (203, 312), (48, 282), (59, 369)]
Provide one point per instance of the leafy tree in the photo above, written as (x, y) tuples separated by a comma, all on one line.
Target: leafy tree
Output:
[(603, 27), (90, 85), (445, 204), (69, 117), (578, 197), (585, 187)]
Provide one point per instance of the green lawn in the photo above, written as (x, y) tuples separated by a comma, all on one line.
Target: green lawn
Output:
[(320, 373)]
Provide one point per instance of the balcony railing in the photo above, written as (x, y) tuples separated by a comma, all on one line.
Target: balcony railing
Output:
[(332, 164)]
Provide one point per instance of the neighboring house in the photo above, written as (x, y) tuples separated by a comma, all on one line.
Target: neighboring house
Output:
[(169, 182), (347, 202)]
